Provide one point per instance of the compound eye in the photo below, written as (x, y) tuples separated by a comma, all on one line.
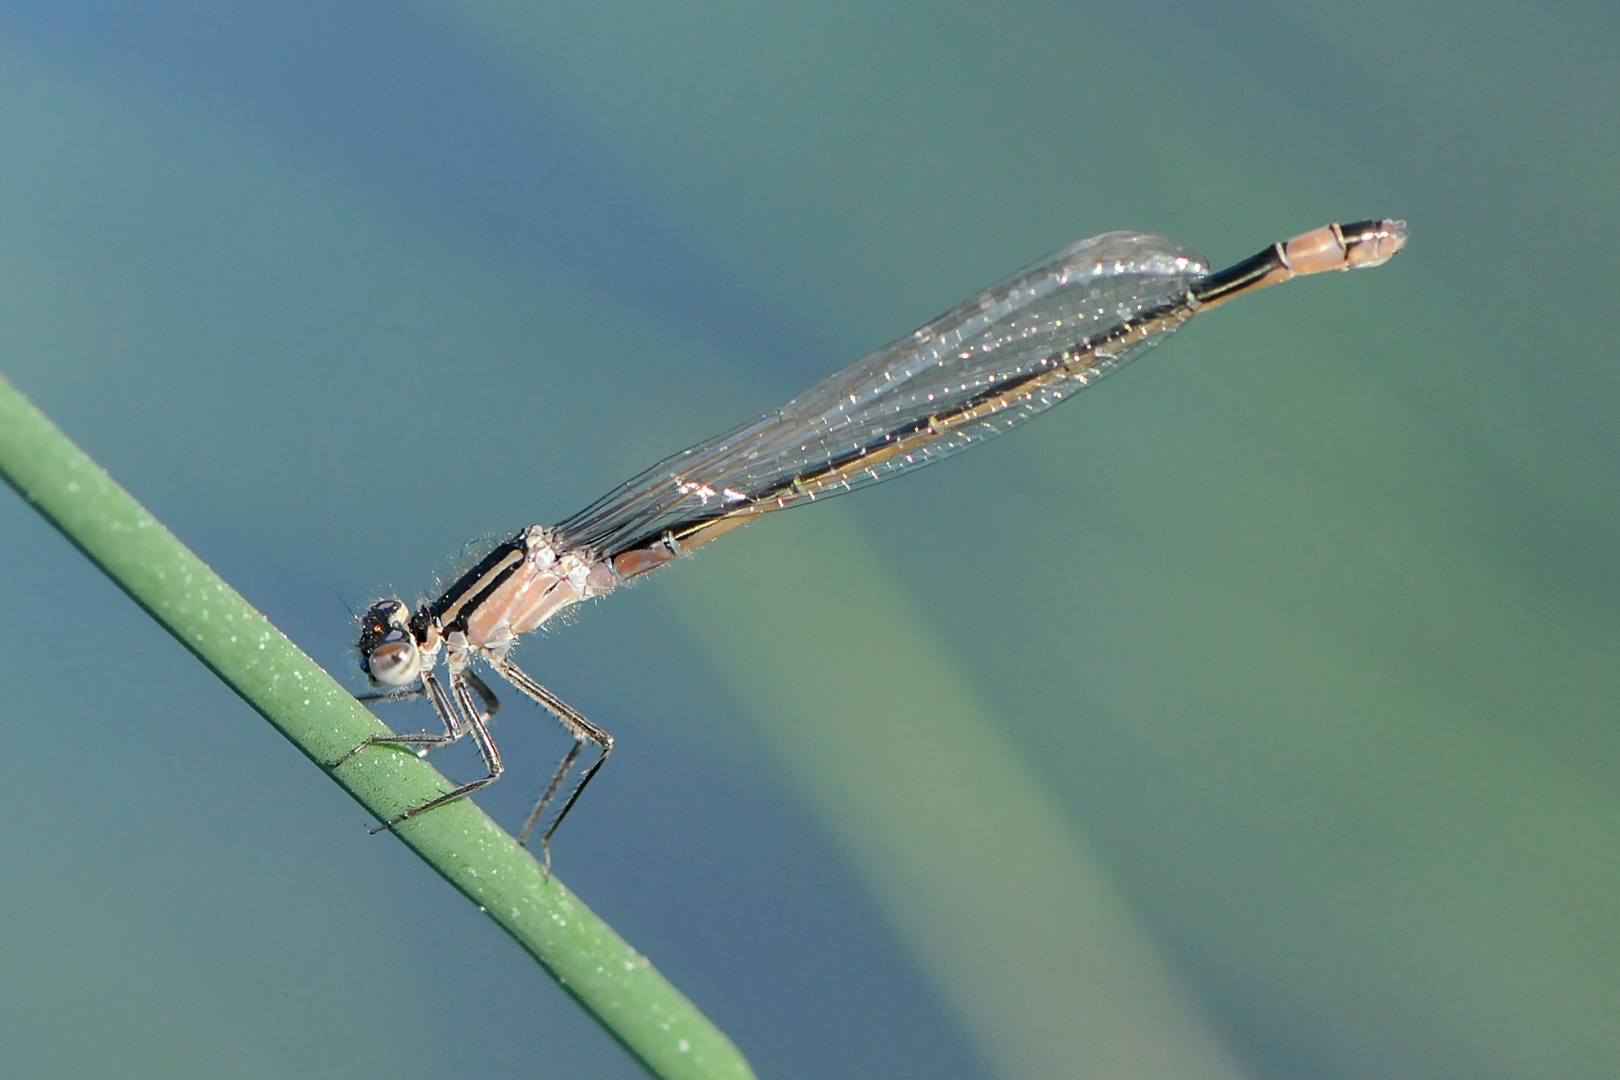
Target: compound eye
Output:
[(396, 662), (386, 615)]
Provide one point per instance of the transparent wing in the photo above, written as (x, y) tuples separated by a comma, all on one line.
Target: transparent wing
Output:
[(882, 415)]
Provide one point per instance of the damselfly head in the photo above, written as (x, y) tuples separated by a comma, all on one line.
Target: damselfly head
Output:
[(389, 654)]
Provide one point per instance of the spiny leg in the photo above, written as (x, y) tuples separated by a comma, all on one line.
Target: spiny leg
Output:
[(581, 729), (454, 725), (427, 741), (492, 704), (564, 767), (467, 714), (390, 695)]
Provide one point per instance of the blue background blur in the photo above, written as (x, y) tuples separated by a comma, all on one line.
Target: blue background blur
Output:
[(1253, 718)]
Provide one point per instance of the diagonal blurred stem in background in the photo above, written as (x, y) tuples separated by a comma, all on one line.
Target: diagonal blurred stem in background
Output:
[(615, 984)]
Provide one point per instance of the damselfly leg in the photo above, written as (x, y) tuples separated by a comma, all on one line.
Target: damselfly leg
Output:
[(581, 729), (486, 697), (461, 716)]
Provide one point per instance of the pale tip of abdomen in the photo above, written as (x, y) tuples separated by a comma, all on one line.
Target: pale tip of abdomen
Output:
[(1373, 243)]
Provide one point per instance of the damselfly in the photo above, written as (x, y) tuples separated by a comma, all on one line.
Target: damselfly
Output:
[(986, 365)]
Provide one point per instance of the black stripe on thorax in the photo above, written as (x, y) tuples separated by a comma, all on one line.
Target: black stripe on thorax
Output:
[(452, 607)]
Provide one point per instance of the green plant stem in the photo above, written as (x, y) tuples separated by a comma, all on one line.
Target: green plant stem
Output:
[(610, 980)]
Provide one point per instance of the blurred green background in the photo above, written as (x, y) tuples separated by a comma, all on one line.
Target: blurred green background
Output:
[(1254, 717)]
